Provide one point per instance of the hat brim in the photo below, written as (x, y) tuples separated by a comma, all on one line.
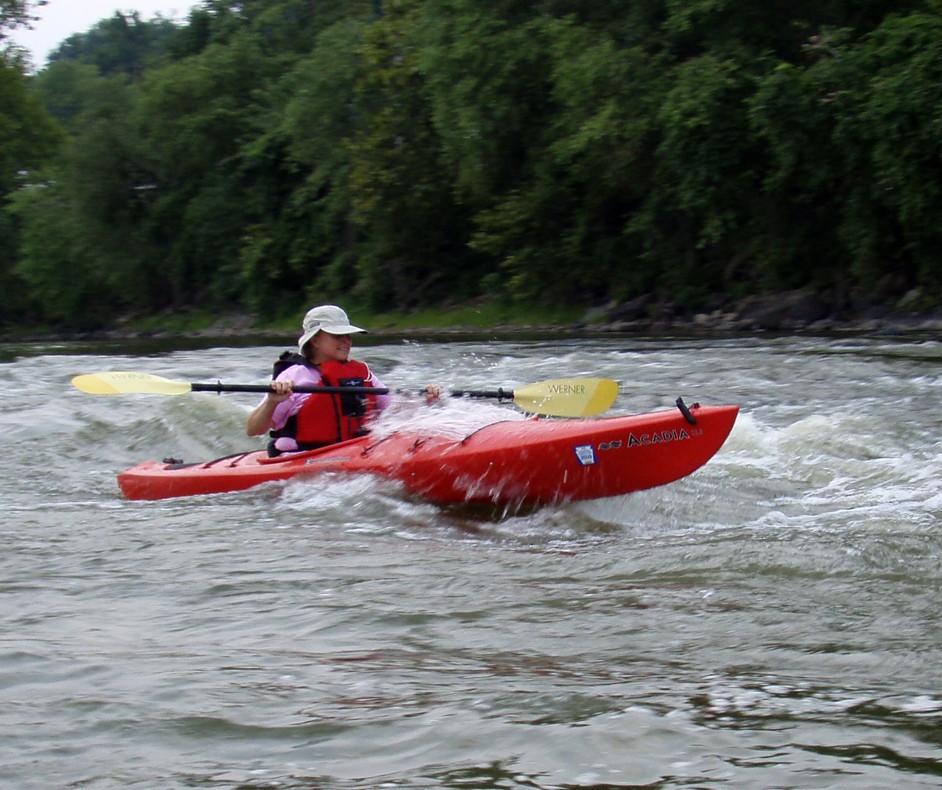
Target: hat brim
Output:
[(338, 329)]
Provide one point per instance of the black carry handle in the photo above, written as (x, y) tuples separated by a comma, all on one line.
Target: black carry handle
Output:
[(686, 412)]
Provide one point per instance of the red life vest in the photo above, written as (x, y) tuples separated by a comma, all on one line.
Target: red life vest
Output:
[(325, 419)]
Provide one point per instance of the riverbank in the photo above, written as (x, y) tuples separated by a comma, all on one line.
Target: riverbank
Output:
[(792, 312), (799, 312)]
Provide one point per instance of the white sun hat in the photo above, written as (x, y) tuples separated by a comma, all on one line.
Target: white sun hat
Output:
[(326, 317)]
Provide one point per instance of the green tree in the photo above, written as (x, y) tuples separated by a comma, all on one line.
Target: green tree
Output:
[(852, 189), (28, 137), (269, 152), (27, 133), (67, 88), (697, 216), (121, 44), (560, 229), (84, 219), (57, 263), (900, 126), (780, 28), (401, 199), (304, 246), (193, 119), (795, 113)]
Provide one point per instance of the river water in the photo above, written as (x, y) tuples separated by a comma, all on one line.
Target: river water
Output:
[(770, 622)]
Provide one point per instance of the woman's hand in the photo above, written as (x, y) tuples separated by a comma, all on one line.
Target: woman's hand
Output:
[(281, 391)]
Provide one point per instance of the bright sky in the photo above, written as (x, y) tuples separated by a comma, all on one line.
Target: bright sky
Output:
[(59, 19)]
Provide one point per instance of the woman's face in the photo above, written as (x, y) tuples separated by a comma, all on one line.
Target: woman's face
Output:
[(324, 347)]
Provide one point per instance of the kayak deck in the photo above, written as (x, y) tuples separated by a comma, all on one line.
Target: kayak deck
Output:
[(537, 461)]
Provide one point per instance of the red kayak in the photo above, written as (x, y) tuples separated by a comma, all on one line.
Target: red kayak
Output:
[(518, 462)]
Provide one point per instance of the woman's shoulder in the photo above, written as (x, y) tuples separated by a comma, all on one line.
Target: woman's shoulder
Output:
[(300, 374)]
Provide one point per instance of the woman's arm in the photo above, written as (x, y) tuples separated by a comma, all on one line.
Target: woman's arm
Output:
[(260, 419)]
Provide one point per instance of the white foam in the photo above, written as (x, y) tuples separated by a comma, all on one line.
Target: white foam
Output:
[(451, 417)]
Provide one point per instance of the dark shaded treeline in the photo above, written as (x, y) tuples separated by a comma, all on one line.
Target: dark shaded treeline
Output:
[(267, 154)]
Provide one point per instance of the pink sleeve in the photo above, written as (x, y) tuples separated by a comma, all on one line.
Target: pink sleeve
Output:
[(382, 401)]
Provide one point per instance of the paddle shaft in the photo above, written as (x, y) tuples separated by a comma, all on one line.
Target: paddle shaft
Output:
[(218, 387)]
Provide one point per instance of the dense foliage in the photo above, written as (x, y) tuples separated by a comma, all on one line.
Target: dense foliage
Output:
[(266, 154)]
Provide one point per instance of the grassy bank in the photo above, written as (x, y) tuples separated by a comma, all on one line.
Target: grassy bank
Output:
[(448, 319), (476, 316), (473, 317)]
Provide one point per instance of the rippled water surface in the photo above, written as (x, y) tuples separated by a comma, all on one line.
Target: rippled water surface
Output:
[(770, 622)]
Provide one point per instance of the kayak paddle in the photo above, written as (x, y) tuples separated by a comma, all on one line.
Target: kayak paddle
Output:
[(578, 397)]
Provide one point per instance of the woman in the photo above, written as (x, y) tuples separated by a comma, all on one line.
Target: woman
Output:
[(304, 421)]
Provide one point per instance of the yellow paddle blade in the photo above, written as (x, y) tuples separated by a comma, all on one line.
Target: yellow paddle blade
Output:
[(128, 383), (582, 397)]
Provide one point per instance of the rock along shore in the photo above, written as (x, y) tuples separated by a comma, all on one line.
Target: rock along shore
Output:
[(784, 312)]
